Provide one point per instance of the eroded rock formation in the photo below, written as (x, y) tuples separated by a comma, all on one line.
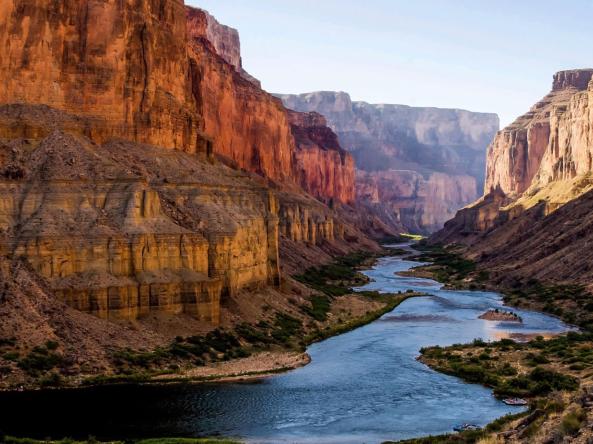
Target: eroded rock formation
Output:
[(533, 222), (408, 149), (550, 141), (111, 113), (321, 166), (122, 64), (121, 229)]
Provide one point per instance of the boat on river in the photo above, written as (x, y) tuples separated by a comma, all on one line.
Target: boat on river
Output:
[(514, 401), (466, 427)]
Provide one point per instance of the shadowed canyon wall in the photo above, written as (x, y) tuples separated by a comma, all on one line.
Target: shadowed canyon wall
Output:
[(414, 150), (94, 95)]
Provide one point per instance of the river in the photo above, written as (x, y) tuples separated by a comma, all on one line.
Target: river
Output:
[(364, 386)]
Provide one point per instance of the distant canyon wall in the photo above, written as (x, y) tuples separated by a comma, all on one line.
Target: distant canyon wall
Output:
[(409, 149)]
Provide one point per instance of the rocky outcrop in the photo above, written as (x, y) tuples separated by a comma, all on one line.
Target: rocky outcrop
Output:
[(549, 141), (419, 203), (224, 39), (533, 224), (121, 229), (122, 64), (108, 218), (321, 166), (253, 129), (391, 141), (542, 159)]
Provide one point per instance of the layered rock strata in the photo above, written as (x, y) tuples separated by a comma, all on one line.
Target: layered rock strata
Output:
[(533, 222), (550, 142), (121, 229), (392, 143), (122, 64), (542, 159), (94, 200), (321, 166)]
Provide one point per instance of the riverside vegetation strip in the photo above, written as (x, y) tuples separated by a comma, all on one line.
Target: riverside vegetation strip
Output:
[(281, 337), (555, 375)]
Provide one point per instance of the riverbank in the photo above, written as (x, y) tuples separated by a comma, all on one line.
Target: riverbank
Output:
[(322, 305), (371, 366), (553, 374)]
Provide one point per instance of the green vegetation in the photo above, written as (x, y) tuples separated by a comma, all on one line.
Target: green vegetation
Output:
[(400, 238), (468, 437), (41, 359), (391, 301), (448, 266), (572, 303), (492, 371), (337, 279), (333, 280), (572, 422)]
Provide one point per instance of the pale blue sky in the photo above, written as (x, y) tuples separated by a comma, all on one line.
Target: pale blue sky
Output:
[(482, 55)]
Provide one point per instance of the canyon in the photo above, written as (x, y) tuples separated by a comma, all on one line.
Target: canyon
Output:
[(150, 187), (415, 166), (531, 224)]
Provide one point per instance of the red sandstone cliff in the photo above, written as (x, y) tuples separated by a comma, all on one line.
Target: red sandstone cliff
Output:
[(537, 143), (106, 209), (252, 128), (321, 166), (123, 64)]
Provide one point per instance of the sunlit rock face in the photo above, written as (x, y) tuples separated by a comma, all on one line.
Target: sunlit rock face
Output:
[(393, 141), (121, 229), (544, 157), (550, 142), (253, 128), (533, 221), (322, 167), (122, 63), (113, 117)]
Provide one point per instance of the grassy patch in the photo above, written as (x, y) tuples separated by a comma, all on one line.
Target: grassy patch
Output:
[(338, 278), (471, 363), (448, 266), (572, 303)]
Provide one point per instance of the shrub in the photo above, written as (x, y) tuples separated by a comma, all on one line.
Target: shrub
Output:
[(571, 422), (39, 360)]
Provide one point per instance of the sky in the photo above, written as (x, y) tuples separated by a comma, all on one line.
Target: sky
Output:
[(481, 55)]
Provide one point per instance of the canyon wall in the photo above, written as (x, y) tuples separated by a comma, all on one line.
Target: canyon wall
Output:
[(551, 141), (252, 128), (112, 117), (532, 222), (399, 147), (121, 229), (542, 159), (321, 166), (123, 64)]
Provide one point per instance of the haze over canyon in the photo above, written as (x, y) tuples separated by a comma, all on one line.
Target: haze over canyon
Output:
[(163, 218)]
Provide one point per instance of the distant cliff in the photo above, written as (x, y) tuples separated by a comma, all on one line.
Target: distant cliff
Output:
[(394, 143)]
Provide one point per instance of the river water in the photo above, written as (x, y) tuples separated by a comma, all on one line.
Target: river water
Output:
[(361, 387)]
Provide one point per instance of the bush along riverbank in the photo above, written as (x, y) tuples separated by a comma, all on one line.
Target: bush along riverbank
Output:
[(323, 305), (554, 375)]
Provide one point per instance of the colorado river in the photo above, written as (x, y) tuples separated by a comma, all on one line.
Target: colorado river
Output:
[(363, 386)]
